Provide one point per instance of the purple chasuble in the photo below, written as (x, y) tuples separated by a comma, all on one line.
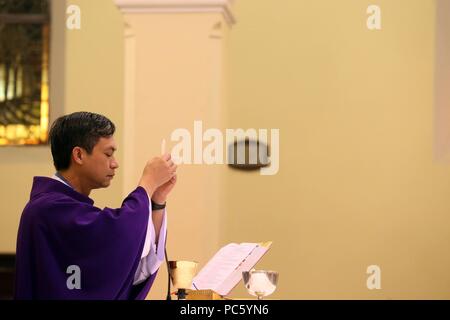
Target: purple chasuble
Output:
[(61, 230)]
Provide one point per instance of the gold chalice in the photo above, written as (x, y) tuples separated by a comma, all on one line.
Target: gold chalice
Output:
[(182, 273)]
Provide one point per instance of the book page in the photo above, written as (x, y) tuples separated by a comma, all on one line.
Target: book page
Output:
[(224, 262), (233, 279), (224, 271)]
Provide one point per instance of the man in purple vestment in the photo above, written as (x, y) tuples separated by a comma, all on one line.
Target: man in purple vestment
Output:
[(67, 248)]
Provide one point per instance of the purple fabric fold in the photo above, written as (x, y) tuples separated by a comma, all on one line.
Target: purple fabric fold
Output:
[(60, 228)]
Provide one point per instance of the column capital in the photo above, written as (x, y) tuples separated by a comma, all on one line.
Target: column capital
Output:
[(178, 6)]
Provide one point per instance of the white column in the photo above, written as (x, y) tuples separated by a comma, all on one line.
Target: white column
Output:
[(175, 73), (223, 7)]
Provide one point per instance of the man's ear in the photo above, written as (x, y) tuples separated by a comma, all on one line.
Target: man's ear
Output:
[(78, 155)]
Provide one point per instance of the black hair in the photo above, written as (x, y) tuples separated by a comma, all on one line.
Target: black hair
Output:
[(79, 129)]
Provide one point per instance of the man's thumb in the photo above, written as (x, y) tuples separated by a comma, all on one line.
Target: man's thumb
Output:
[(166, 156)]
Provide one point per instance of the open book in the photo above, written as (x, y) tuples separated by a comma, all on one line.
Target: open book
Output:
[(224, 271)]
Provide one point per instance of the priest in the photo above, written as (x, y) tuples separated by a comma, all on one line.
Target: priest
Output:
[(67, 248)]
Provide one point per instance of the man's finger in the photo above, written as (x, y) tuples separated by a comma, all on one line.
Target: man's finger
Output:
[(166, 156)]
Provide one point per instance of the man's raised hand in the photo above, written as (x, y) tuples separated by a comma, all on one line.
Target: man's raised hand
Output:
[(157, 172)]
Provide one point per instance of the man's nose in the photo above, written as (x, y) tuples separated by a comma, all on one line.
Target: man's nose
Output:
[(115, 165)]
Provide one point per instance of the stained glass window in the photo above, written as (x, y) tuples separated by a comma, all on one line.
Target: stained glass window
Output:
[(24, 91)]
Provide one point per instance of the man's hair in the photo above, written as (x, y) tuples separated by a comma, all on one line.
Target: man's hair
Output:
[(79, 129)]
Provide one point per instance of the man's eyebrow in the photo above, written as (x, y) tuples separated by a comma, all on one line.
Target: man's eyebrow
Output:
[(112, 148)]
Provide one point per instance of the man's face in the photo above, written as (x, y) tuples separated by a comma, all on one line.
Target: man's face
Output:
[(99, 166)]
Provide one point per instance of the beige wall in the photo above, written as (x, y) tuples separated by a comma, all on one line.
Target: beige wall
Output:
[(442, 81), (94, 76), (357, 183)]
